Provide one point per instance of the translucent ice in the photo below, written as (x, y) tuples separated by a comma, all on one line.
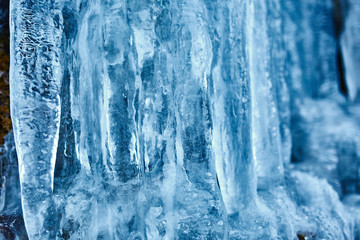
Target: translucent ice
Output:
[(173, 119), (35, 107), (350, 46)]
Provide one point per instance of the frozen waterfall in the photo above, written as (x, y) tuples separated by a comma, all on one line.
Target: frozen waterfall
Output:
[(185, 119)]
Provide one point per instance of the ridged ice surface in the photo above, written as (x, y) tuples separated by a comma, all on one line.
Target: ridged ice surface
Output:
[(184, 119), (350, 45)]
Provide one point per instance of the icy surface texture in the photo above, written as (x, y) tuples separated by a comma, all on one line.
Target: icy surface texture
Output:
[(35, 107), (11, 221), (182, 119), (350, 46)]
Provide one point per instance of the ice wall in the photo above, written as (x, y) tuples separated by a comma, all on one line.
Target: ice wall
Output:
[(182, 120)]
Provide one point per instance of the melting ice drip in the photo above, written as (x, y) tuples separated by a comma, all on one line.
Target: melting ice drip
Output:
[(171, 119)]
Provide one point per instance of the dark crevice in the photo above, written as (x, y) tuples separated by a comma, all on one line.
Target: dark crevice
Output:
[(341, 74), (339, 11)]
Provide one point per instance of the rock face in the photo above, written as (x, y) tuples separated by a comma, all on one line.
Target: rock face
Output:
[(181, 120), (5, 121)]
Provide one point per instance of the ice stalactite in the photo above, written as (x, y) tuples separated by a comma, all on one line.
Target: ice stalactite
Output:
[(35, 107)]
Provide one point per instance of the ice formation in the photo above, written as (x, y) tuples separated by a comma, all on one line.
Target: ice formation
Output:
[(184, 119)]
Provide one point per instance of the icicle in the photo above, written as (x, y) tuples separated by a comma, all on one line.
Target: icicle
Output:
[(35, 107)]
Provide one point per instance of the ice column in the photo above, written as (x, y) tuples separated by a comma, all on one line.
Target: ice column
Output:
[(231, 110), (278, 74), (36, 30), (104, 109), (175, 122), (155, 116), (119, 93), (197, 188), (266, 136), (350, 46)]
